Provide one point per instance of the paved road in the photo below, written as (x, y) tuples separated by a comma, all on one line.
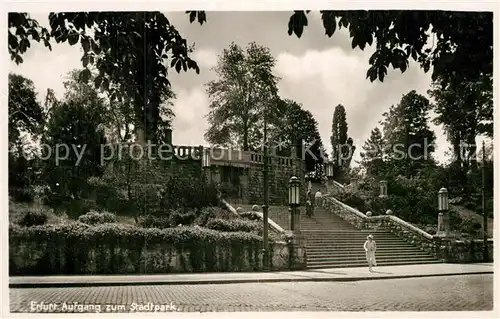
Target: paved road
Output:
[(453, 293)]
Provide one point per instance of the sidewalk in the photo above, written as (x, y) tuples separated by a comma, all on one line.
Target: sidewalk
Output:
[(331, 274)]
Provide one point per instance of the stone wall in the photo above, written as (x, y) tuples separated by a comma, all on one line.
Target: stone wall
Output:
[(463, 251), (43, 258), (280, 170)]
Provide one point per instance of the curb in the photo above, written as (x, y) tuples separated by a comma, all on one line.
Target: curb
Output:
[(232, 281)]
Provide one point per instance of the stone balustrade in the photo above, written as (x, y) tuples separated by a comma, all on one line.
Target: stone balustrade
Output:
[(449, 250)]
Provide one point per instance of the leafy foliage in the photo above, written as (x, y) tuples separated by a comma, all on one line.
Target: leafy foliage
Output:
[(21, 29), (76, 245), (234, 225), (292, 123), (465, 109), (33, 218), (93, 218), (409, 140), (462, 41), (342, 145), (244, 89), (73, 130), (372, 156), (26, 120), (130, 50)]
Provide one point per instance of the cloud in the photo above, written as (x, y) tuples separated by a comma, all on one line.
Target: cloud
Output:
[(206, 58), (322, 79), (189, 125)]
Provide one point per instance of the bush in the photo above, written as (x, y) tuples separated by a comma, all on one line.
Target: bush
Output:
[(178, 217), (33, 218), (208, 213), (469, 205), (354, 200), (250, 216), (22, 195), (108, 197), (93, 218), (150, 221), (188, 193), (235, 225), (455, 219), (470, 227), (79, 248)]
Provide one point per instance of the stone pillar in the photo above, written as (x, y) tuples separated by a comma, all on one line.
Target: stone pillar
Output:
[(297, 245), (443, 224), (216, 174)]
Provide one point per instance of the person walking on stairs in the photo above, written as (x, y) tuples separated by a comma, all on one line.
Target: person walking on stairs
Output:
[(370, 249), (318, 198)]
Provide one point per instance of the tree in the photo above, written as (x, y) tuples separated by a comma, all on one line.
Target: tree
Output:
[(129, 49), (244, 90), (373, 153), (26, 119), (342, 145), (25, 112), (465, 109), (293, 123), (75, 133), (462, 41), (409, 140)]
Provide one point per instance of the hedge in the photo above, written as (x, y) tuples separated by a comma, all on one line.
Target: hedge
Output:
[(78, 248), (93, 217), (234, 225), (33, 218)]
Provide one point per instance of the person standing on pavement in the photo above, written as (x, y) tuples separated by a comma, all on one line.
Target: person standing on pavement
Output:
[(370, 249)]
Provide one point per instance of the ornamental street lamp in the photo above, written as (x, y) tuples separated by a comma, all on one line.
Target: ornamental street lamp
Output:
[(383, 188), (329, 166), (483, 207), (205, 162), (294, 200), (443, 218)]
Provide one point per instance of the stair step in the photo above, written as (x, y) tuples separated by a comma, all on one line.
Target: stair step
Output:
[(362, 255), (363, 264), (357, 248), (377, 256), (347, 241)]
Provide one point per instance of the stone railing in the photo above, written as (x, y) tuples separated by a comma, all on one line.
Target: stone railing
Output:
[(447, 249), (275, 227), (399, 227)]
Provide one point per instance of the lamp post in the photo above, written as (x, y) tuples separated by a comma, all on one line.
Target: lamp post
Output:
[(443, 218), (294, 202), (329, 166), (383, 188), (205, 162), (483, 207)]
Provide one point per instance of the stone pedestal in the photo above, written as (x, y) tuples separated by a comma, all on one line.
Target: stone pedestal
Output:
[(443, 230), (297, 248)]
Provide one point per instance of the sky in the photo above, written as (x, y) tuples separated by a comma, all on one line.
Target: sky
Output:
[(316, 71)]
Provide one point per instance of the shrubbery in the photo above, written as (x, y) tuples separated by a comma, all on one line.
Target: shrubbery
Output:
[(107, 233), (22, 195), (250, 216), (175, 218), (33, 218), (78, 248), (93, 218), (234, 225)]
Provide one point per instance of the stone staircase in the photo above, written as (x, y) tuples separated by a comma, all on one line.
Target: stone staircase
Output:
[(332, 242)]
